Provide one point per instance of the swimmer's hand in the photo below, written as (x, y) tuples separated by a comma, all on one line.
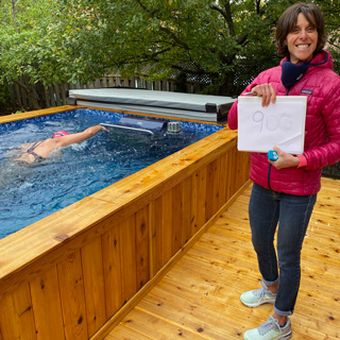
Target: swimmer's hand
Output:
[(104, 128)]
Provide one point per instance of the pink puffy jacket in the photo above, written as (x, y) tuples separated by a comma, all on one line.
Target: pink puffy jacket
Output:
[(322, 130)]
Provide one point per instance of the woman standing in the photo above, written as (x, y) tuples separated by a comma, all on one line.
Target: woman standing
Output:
[(284, 191)]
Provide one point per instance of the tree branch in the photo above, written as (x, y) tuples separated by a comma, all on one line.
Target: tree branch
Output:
[(257, 4), (143, 58), (229, 18), (147, 10), (226, 14), (196, 71), (175, 38), (166, 30), (14, 15)]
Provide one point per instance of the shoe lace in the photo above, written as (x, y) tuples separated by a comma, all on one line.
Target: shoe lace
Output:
[(260, 292), (270, 324)]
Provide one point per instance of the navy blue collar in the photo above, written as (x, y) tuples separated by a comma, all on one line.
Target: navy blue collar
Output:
[(292, 73)]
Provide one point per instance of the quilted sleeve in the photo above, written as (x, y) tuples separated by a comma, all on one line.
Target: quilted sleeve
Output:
[(329, 152)]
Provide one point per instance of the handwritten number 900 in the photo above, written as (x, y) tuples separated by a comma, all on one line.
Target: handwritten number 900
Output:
[(272, 122)]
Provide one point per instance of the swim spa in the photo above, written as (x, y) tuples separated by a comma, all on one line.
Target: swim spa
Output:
[(74, 273), (29, 193)]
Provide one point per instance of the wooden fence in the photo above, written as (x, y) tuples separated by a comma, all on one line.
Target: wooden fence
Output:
[(38, 96)]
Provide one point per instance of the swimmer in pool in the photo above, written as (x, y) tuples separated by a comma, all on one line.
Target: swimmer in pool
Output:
[(41, 150)]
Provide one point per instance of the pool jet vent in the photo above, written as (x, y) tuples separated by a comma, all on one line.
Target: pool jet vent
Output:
[(174, 127), (139, 125)]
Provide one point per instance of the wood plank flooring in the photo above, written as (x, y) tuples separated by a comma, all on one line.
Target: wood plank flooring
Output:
[(199, 297)]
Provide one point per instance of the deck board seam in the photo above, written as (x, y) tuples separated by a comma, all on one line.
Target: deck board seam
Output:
[(171, 322)]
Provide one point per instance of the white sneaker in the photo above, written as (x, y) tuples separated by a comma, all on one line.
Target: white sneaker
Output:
[(257, 297), (270, 330)]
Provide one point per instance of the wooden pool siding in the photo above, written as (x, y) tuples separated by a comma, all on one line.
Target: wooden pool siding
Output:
[(198, 299), (76, 272)]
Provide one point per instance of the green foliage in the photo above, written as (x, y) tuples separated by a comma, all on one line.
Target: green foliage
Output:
[(220, 44), (25, 41), (44, 43)]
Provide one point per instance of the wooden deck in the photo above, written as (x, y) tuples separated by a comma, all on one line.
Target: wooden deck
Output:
[(199, 297)]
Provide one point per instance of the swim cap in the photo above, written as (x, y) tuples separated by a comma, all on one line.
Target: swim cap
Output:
[(60, 133)]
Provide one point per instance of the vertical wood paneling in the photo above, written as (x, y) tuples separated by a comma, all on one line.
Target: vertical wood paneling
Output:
[(166, 225), (72, 296), (156, 212), (238, 170), (92, 264), (241, 165), (211, 186), (227, 177), (243, 162), (162, 230), (194, 202), (199, 180), (23, 309), (222, 180), (16, 314), (128, 257), (231, 172), (142, 246), (8, 318), (217, 185), (187, 197), (177, 219), (111, 244), (236, 173), (47, 305), (209, 191)]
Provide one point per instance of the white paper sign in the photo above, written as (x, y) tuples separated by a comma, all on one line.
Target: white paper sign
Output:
[(282, 124)]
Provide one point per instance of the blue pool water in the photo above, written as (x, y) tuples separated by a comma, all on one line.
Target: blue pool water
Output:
[(29, 193)]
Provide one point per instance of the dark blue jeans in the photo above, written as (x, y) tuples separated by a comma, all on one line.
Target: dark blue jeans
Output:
[(267, 209)]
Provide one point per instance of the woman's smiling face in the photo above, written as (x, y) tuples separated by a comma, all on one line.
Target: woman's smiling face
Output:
[(302, 40)]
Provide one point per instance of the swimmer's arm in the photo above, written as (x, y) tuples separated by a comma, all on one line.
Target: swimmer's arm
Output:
[(21, 149), (80, 136), (24, 147)]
